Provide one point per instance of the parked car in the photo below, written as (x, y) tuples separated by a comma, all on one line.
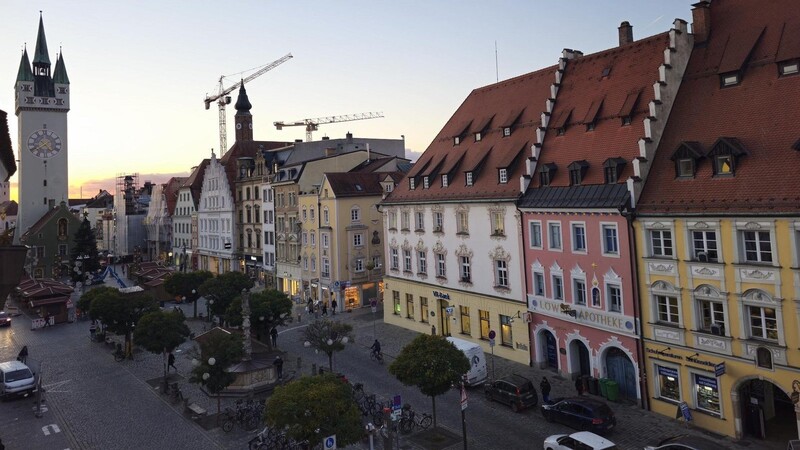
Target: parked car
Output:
[(580, 413), (513, 390), (16, 379), (686, 442), (5, 319), (582, 440)]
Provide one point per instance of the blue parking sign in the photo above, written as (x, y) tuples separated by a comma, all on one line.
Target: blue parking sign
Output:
[(329, 443)]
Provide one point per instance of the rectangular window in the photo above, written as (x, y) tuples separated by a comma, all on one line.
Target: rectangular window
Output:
[(465, 269), (506, 131), (706, 393), (498, 224), (705, 246), (667, 309), (789, 67), (419, 217), (501, 273), (438, 221), (396, 302), (392, 220), (305, 238), (444, 181), (503, 176), (410, 306), (538, 283), (506, 338), (313, 263), (578, 237), (710, 313), (425, 183), (535, 234), (757, 246), (465, 323), (62, 249), (406, 260), (313, 237), (614, 298), (558, 287), (763, 323), (326, 268), (359, 265), (463, 222), (668, 383), (661, 242), (580, 292), (355, 215), (485, 325), (610, 242), (325, 240), (441, 268), (554, 236), (395, 259), (358, 240), (422, 264), (469, 178), (423, 309), (404, 221), (40, 252)]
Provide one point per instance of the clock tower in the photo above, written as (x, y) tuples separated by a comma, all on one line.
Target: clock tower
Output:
[(42, 104)]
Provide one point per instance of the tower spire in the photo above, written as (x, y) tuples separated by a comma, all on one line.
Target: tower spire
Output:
[(60, 72), (24, 73), (41, 55), (244, 120)]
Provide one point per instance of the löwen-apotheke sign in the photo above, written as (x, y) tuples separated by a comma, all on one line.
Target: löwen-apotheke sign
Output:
[(596, 318)]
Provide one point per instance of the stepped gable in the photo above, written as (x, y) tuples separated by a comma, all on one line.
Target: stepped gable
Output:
[(754, 120), (599, 91), (517, 103), (171, 192), (244, 149)]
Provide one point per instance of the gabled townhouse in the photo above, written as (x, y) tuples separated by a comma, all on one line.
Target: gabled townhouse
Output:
[(602, 123), (188, 199), (718, 228), (158, 221)]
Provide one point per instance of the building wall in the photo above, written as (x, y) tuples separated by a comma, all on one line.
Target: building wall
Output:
[(215, 220), (182, 228), (309, 245), (268, 228), (287, 238)]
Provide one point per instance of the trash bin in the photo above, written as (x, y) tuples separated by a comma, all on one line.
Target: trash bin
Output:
[(603, 387), (594, 387), (613, 390)]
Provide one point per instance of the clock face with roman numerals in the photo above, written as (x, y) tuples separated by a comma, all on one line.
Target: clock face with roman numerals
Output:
[(44, 143)]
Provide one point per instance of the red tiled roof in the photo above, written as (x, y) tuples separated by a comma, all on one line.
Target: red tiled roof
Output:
[(351, 184), (171, 192), (761, 113), (47, 217), (598, 88), (9, 208), (519, 101), (195, 181)]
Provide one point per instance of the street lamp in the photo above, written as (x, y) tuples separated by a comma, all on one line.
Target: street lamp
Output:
[(194, 300), (209, 302)]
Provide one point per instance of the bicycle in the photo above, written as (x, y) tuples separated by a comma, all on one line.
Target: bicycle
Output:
[(376, 356), (119, 355), (358, 392), (409, 420), (225, 419)]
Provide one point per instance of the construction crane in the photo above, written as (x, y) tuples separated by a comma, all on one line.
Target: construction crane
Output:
[(312, 124), (222, 98)]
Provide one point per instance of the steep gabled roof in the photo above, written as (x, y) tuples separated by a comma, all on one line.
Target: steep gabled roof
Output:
[(195, 181), (517, 102), (758, 116), (242, 149), (6, 152), (351, 184), (171, 193), (599, 90)]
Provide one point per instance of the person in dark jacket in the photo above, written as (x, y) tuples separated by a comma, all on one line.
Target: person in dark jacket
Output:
[(23, 355), (579, 385), (545, 387), (278, 363)]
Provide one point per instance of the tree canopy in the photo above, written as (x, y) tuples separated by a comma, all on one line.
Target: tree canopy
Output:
[(85, 244), (119, 313), (181, 284), (225, 349), (328, 336), (85, 302), (273, 306), (314, 407), (223, 289), (432, 364), (161, 331)]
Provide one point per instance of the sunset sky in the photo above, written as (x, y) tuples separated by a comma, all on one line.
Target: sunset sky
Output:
[(139, 71)]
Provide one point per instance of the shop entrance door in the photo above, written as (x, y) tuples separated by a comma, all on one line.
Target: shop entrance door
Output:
[(767, 412), (620, 369), (579, 356), (550, 350)]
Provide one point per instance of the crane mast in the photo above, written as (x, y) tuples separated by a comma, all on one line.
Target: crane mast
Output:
[(312, 124), (222, 98)]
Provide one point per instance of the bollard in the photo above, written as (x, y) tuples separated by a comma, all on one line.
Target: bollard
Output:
[(314, 369), (299, 318)]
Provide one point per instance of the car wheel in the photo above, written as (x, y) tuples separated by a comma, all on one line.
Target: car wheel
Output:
[(515, 406)]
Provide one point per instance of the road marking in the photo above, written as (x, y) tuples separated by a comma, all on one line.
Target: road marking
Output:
[(52, 386), (42, 409), (46, 429), (293, 328)]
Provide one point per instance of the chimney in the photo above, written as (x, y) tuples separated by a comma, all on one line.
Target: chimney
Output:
[(349, 137), (701, 21), (625, 33)]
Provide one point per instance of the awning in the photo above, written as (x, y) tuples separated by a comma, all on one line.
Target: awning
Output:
[(47, 301)]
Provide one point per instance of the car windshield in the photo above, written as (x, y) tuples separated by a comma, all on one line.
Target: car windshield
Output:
[(17, 375), (3, 314)]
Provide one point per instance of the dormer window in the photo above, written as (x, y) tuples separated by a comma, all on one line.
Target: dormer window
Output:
[(478, 136), (626, 120), (506, 131), (729, 79), (503, 176), (469, 178), (411, 183), (724, 155), (576, 172), (686, 157), (444, 181), (425, 184), (456, 140), (612, 169), (723, 165), (546, 174), (561, 131), (789, 67), (590, 126)]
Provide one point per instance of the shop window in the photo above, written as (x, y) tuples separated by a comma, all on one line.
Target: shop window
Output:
[(396, 302), (465, 323), (485, 324), (506, 337), (668, 383), (706, 394), (410, 306), (423, 309)]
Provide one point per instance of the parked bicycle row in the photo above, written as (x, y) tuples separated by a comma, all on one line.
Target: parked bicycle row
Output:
[(247, 415), (373, 409)]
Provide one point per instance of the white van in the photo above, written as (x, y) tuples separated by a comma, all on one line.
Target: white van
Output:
[(477, 373), (16, 378)]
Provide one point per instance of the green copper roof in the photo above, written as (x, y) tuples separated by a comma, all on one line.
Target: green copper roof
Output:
[(41, 56), (25, 73), (60, 73)]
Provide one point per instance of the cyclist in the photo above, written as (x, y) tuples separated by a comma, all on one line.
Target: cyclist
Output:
[(376, 349)]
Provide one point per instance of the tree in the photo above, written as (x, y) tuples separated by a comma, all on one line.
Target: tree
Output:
[(161, 332), (223, 289), (217, 352), (328, 336), (187, 285), (85, 245), (312, 408), (273, 306), (120, 313), (85, 302), (432, 364)]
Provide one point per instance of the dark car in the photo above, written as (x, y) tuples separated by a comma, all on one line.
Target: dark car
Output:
[(514, 390), (686, 442), (5, 319), (580, 413)]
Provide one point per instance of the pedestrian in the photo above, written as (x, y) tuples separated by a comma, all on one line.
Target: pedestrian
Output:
[(324, 310), (273, 335), (579, 385), (544, 386), (278, 363), (92, 330), (23, 355), (171, 362), (47, 319), (333, 306)]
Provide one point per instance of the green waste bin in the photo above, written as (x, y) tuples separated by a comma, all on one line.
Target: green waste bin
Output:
[(613, 390), (603, 387)]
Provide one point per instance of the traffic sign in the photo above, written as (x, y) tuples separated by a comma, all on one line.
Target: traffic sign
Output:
[(336, 284), (491, 342), (463, 398), (397, 402), (492, 334), (329, 443)]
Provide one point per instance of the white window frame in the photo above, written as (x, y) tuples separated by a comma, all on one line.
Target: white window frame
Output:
[(326, 268), (355, 214), (610, 288), (469, 178), (438, 220), (441, 265), (695, 251), (661, 243), (405, 221), (657, 301), (422, 262), (326, 217), (465, 268), (539, 284), (551, 226), (395, 258), (313, 237), (501, 276), (534, 227), (503, 175), (425, 183), (359, 265), (657, 380), (407, 260), (694, 374), (419, 220), (557, 285), (325, 240), (574, 227), (358, 240), (758, 240), (445, 181), (606, 250)]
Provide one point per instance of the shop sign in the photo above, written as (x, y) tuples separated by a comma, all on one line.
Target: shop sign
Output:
[(441, 295), (586, 316), (667, 371), (663, 353), (719, 369), (706, 381)]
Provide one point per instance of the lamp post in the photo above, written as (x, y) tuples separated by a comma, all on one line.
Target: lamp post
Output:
[(209, 302), (194, 300)]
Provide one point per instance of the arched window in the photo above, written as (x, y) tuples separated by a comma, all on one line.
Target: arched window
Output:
[(62, 229), (764, 358)]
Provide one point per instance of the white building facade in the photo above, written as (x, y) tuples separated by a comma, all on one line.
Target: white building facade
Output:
[(215, 219)]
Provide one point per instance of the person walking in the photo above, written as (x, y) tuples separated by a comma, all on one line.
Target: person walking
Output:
[(278, 363), (23, 355), (545, 387), (333, 306), (273, 335), (579, 385), (171, 362), (324, 310)]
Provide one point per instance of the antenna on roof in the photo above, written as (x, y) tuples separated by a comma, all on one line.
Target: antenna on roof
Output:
[(496, 70)]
